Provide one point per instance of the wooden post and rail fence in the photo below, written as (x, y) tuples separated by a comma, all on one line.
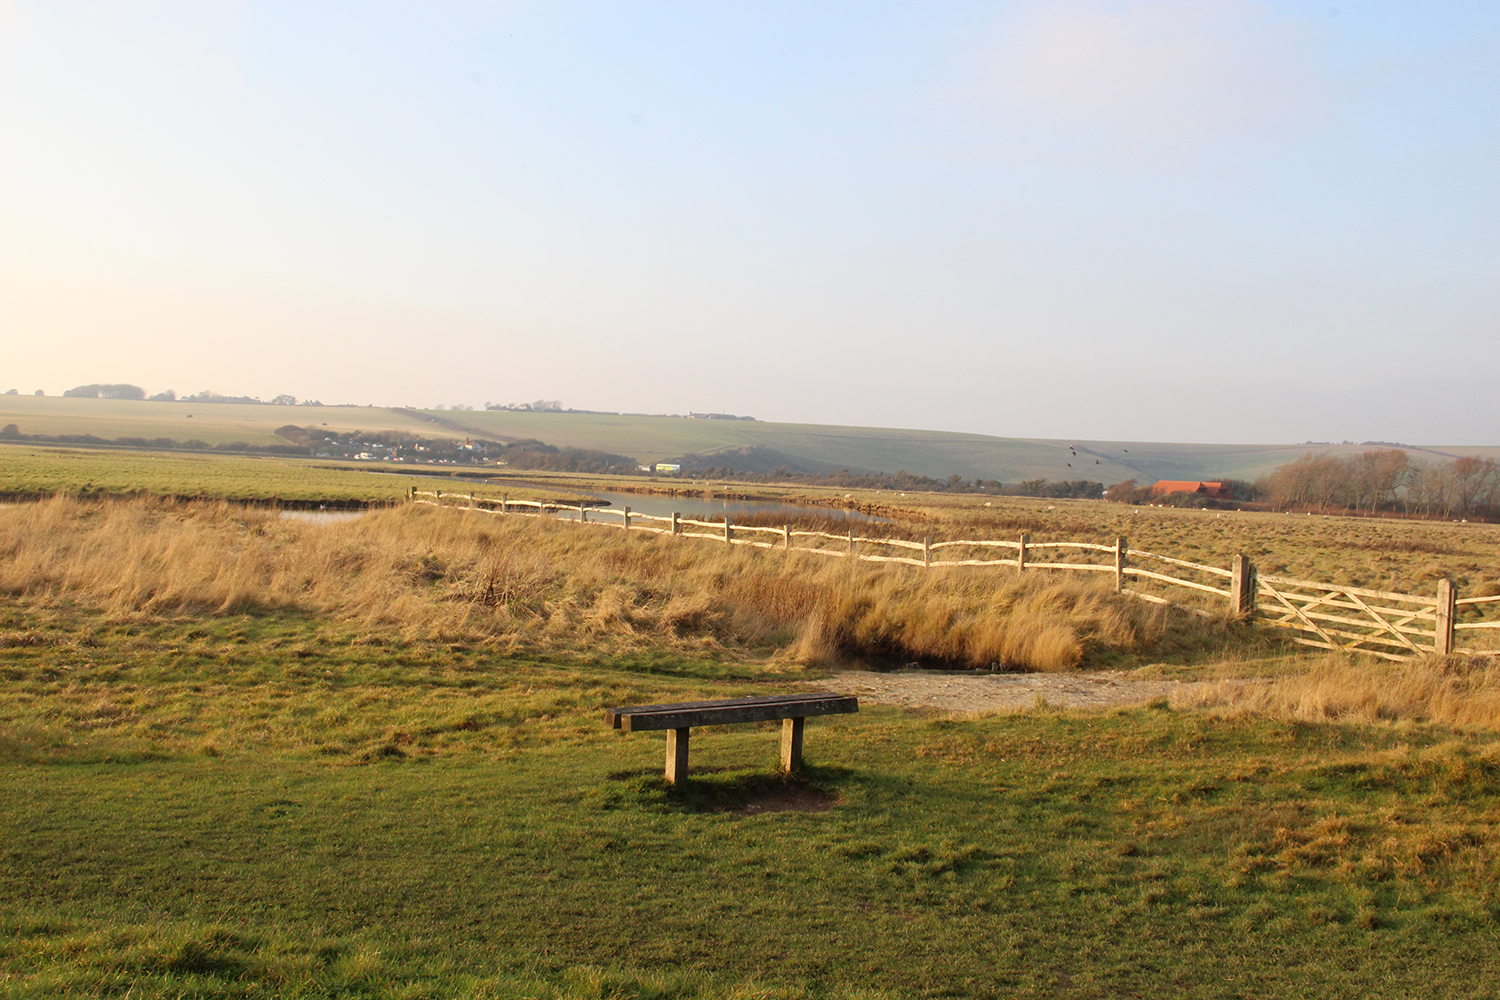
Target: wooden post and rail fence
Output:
[(1325, 615)]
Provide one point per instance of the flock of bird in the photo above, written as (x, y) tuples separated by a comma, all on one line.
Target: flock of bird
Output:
[(1074, 450)]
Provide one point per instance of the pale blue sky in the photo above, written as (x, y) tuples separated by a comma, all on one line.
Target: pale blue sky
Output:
[(1214, 220)]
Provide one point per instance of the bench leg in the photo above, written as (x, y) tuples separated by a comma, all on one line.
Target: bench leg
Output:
[(677, 751), (791, 745)]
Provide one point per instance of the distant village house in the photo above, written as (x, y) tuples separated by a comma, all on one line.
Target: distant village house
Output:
[(1214, 491)]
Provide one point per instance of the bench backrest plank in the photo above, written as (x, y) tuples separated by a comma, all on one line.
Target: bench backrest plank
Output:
[(681, 715)]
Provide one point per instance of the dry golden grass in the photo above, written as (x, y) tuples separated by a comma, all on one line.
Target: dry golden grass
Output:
[(1457, 691), (526, 584), (1406, 556)]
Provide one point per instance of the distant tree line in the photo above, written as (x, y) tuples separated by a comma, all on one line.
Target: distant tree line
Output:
[(10, 432), (98, 390), (1387, 479), (112, 391), (1382, 479)]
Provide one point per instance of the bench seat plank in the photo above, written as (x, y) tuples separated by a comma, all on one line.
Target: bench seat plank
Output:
[(681, 715)]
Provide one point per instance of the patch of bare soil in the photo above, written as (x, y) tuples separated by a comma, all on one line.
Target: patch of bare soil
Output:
[(803, 799), (967, 693)]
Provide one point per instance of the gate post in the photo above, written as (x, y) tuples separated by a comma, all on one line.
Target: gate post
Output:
[(1447, 609), (1241, 588)]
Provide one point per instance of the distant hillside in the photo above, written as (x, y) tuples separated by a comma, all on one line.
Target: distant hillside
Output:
[(215, 423), (813, 447), (754, 446)]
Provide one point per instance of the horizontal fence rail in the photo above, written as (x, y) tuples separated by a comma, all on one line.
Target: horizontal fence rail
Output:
[(1325, 615)]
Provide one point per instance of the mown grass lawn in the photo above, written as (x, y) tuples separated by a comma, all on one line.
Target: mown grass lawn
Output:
[(196, 809)]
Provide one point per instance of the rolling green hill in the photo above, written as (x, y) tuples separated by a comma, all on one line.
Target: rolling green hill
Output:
[(805, 447), (215, 423), (929, 453)]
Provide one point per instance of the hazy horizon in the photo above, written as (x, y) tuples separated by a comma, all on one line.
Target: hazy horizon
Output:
[(1220, 221)]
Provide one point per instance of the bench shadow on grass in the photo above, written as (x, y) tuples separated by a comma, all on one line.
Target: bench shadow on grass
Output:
[(730, 790)]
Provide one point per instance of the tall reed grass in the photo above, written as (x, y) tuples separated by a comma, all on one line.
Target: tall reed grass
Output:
[(1458, 691), (531, 584)]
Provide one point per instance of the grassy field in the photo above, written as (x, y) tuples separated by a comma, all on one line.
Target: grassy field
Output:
[(27, 470), (246, 756), (1404, 556), (652, 439)]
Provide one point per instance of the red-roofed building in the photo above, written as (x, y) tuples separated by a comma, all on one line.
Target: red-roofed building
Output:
[(1214, 491)]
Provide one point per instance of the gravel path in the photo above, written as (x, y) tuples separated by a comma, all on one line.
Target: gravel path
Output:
[(955, 692)]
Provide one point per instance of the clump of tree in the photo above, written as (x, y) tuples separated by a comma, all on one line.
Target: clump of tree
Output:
[(97, 390), (1070, 489), (1128, 491), (541, 405), (209, 396), (550, 458), (1387, 479)]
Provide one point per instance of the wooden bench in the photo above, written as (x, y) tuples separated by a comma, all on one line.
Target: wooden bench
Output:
[(676, 719)]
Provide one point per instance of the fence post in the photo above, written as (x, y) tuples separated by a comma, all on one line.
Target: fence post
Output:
[(1446, 613), (1021, 553), (786, 533), (627, 518), (1241, 587), (583, 514), (676, 528), (1122, 548), (927, 553), (503, 508), (728, 530), (437, 497), (471, 501), (851, 543), (408, 493)]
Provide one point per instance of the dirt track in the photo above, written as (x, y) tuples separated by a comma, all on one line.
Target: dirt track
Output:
[(954, 692)]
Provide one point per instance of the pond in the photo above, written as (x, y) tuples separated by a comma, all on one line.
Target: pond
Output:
[(694, 507), (707, 509)]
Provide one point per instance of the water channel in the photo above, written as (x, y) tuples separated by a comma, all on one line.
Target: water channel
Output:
[(658, 505), (706, 509)]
